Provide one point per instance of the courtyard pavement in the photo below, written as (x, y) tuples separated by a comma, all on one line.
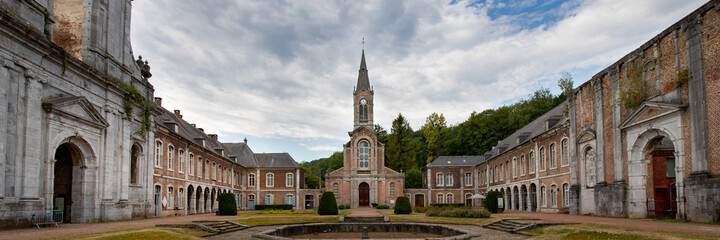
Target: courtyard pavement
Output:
[(679, 227)]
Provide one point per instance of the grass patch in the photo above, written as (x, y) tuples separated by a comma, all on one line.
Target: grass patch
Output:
[(593, 235), (146, 233), (420, 217)]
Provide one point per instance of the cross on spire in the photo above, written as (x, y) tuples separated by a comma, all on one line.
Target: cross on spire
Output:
[(363, 43)]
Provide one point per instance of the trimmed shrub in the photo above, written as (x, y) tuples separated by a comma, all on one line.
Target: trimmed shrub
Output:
[(491, 202), (341, 207), (273, 206), (227, 204), (447, 205), (420, 209), (328, 205), (457, 213), (382, 206), (347, 206), (402, 205)]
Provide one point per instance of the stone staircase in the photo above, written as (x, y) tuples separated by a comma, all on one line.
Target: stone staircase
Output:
[(214, 227), (511, 226)]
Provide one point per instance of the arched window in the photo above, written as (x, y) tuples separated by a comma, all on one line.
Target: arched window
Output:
[(532, 162), (363, 110), (450, 198), (440, 179), (553, 157), (392, 190), (269, 180), (565, 153), (543, 196), (181, 163), (214, 171), (553, 195), (170, 159), (336, 189), (522, 165), (289, 179), (515, 167), (289, 199), (158, 153), (192, 164), (440, 198), (181, 196), (542, 159), (206, 168), (502, 171), (364, 154), (251, 180), (566, 194), (269, 199), (134, 165), (170, 194)]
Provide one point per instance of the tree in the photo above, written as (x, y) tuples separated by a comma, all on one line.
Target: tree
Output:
[(381, 134), (402, 205), (434, 124), (399, 152), (227, 205), (312, 181), (566, 85), (413, 178), (328, 205)]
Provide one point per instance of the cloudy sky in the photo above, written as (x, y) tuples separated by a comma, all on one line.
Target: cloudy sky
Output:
[(281, 73)]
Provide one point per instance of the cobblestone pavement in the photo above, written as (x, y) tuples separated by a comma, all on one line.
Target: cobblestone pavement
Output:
[(679, 227), (74, 229)]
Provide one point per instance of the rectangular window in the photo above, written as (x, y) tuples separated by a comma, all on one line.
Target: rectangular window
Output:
[(170, 194), (543, 198), (542, 159), (450, 181), (158, 153), (251, 180), (468, 179), (180, 198), (392, 190), (565, 153), (289, 180), (171, 149), (192, 164), (502, 172), (532, 162), (439, 178), (670, 166), (269, 180), (553, 157), (181, 163), (566, 195), (522, 165), (515, 167)]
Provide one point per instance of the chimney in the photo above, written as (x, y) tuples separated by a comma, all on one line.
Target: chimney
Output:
[(158, 101), (202, 130), (177, 113), (213, 136), (193, 125), (245, 140)]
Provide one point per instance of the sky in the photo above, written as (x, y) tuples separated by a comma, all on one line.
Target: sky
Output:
[(281, 73)]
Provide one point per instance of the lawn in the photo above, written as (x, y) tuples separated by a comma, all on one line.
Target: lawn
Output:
[(420, 217), (252, 218), (146, 233), (592, 231)]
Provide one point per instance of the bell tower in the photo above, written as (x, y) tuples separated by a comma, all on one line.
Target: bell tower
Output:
[(363, 98)]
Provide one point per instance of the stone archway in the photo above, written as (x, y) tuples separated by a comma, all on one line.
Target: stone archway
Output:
[(646, 157), (190, 199), (72, 188), (516, 198), (523, 198), (533, 197)]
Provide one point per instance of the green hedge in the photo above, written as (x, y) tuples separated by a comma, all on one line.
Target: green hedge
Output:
[(491, 201), (273, 206), (447, 205), (382, 206), (328, 205), (457, 213), (402, 205), (227, 204)]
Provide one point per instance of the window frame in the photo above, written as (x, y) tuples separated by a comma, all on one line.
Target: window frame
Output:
[(289, 179), (251, 180), (468, 179), (170, 160), (450, 181), (522, 165), (364, 154), (449, 198), (181, 164), (269, 180), (564, 152), (393, 190), (158, 153), (553, 156), (439, 179), (543, 159), (531, 163)]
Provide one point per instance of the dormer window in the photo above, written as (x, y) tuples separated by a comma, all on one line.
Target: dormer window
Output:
[(363, 110)]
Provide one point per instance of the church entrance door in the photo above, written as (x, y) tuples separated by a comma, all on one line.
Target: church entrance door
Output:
[(66, 156), (364, 193)]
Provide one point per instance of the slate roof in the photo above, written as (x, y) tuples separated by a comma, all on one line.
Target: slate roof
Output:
[(244, 154), (363, 82), (275, 160), (168, 119), (457, 161), (537, 127)]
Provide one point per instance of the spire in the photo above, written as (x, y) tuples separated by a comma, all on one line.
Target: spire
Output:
[(363, 82)]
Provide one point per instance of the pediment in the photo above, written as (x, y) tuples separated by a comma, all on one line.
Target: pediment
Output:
[(649, 111), (76, 107), (586, 135)]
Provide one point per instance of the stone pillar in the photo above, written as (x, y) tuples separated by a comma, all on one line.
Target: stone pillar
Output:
[(617, 135), (696, 92), (33, 135), (574, 183), (4, 114), (191, 204), (201, 203), (600, 130)]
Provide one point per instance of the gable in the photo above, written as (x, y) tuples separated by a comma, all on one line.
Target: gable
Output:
[(650, 111), (76, 107)]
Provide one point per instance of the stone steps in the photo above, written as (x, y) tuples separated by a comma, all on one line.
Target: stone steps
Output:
[(219, 227), (511, 226)]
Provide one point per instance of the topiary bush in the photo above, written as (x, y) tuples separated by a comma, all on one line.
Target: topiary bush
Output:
[(402, 205), (491, 201), (227, 204), (382, 206), (328, 205)]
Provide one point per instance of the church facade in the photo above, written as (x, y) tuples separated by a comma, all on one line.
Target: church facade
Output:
[(364, 180)]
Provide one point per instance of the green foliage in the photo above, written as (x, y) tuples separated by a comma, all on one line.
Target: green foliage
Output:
[(382, 206), (491, 201), (682, 77), (413, 178), (399, 150), (328, 205), (273, 206), (420, 209), (434, 124), (341, 207), (311, 180), (402, 205), (590, 235), (566, 85), (381, 133), (447, 205), (227, 204), (134, 97), (318, 168), (633, 94), (457, 213)]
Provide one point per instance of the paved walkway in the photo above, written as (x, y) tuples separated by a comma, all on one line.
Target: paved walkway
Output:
[(679, 227), (364, 212), (74, 229)]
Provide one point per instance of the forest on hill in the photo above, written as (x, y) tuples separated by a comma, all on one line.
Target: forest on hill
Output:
[(409, 150)]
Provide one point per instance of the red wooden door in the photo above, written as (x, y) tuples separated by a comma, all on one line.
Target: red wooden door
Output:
[(663, 164), (364, 191), (419, 200)]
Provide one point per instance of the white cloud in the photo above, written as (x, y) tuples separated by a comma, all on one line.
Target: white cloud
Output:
[(287, 68)]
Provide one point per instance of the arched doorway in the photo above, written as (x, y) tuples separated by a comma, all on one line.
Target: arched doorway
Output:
[(190, 200), (516, 198), (523, 198), (661, 179), (67, 159), (158, 190), (364, 194), (198, 205), (533, 197)]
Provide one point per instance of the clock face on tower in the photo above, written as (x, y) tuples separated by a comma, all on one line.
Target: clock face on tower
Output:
[(363, 101)]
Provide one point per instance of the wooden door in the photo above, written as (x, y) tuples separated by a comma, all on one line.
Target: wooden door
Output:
[(364, 193), (419, 200), (663, 164)]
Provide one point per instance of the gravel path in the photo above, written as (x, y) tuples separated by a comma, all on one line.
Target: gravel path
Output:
[(679, 227)]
